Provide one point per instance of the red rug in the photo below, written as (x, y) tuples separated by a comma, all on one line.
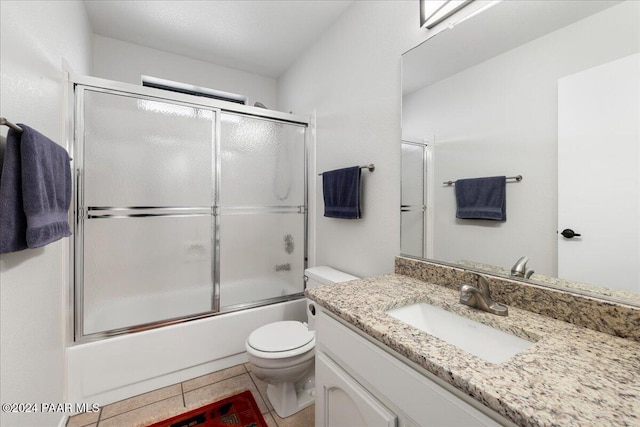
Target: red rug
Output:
[(238, 410)]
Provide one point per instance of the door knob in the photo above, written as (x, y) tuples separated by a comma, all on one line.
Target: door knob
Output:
[(569, 233)]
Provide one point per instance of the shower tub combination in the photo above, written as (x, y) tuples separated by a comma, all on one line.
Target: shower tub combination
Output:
[(190, 232)]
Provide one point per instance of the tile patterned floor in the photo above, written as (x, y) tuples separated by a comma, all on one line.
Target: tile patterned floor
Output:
[(166, 402)]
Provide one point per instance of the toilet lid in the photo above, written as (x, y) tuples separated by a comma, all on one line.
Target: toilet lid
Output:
[(280, 336)]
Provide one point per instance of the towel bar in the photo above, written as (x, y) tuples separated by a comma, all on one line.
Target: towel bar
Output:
[(5, 122), (370, 166), (517, 178)]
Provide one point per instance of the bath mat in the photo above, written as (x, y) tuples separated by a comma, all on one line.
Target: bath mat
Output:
[(238, 410)]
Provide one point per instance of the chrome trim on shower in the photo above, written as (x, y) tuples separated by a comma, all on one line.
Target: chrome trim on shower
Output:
[(249, 210), (215, 212), (135, 208), (78, 154), (142, 212), (98, 84), (96, 336), (70, 122), (146, 215)]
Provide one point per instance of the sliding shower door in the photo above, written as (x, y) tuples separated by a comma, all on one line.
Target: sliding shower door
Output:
[(144, 249), (185, 208), (413, 200), (262, 209)]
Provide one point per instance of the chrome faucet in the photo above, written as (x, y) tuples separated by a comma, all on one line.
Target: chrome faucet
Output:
[(520, 269), (479, 297)]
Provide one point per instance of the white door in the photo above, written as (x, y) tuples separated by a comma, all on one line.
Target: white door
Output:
[(599, 175), (342, 402)]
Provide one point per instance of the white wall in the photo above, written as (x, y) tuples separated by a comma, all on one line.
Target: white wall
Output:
[(35, 38), (351, 79), (126, 62), (500, 118)]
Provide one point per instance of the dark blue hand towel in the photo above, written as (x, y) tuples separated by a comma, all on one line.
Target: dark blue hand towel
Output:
[(37, 194), (13, 221), (482, 198), (341, 190)]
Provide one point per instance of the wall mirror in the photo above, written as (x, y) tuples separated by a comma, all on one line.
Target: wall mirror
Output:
[(546, 90)]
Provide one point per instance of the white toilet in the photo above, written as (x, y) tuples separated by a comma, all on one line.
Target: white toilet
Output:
[(282, 353)]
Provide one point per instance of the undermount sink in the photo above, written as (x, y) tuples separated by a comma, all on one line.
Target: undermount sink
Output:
[(485, 342)]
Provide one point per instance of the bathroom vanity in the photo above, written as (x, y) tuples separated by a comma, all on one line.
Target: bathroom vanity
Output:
[(358, 383), (373, 369)]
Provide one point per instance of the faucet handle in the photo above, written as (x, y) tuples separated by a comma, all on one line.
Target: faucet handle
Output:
[(520, 267), (482, 283)]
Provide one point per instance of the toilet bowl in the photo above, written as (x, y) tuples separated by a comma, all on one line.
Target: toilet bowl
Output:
[(282, 354)]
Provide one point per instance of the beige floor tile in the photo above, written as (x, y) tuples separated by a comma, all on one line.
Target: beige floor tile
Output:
[(269, 419), (304, 418), (247, 366), (82, 420), (213, 377), (140, 401), (262, 388), (222, 389), (146, 415)]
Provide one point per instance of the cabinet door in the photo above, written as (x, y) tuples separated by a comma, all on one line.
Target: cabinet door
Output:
[(344, 402)]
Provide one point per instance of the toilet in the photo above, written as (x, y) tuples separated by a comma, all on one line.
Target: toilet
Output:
[(282, 353)]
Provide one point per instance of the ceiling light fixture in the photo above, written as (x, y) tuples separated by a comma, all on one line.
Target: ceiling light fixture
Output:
[(433, 12)]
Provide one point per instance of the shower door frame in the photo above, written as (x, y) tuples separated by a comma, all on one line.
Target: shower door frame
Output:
[(75, 142), (427, 197)]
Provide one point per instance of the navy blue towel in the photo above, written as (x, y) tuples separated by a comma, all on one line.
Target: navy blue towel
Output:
[(35, 191), (341, 190), (482, 198), (13, 221)]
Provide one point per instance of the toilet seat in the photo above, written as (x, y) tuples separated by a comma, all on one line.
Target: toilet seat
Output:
[(279, 340)]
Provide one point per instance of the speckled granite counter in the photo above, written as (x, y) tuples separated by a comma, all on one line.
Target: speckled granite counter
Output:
[(589, 289), (571, 376)]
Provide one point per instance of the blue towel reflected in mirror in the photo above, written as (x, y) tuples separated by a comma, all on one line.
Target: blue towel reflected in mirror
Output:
[(481, 198)]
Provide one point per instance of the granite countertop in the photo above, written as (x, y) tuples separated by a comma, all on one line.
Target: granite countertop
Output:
[(617, 294), (571, 376)]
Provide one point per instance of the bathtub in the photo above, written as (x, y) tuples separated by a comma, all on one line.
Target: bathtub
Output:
[(141, 309), (116, 368)]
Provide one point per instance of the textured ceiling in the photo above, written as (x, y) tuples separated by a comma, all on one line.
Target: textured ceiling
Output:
[(259, 36)]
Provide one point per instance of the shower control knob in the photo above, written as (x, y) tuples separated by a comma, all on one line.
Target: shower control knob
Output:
[(569, 233)]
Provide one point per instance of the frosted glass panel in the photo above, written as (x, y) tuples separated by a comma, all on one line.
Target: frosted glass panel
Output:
[(140, 270), (261, 256), (262, 162), (141, 152), (412, 233), (412, 175)]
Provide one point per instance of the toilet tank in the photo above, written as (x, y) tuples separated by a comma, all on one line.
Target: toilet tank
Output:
[(316, 276)]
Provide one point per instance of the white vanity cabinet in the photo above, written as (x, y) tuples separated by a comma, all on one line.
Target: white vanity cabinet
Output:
[(345, 402), (358, 384)]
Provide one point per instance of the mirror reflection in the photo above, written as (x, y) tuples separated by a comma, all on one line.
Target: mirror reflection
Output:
[(546, 90)]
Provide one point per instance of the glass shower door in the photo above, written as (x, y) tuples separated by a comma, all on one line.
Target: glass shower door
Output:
[(262, 209), (413, 207), (145, 211)]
